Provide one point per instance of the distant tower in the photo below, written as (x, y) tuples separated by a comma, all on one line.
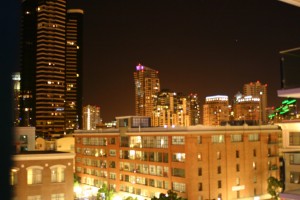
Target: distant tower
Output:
[(74, 35), (246, 108), (29, 19), (91, 117), (215, 110), (256, 89), (146, 88), (170, 109), (163, 111), (16, 78), (194, 109)]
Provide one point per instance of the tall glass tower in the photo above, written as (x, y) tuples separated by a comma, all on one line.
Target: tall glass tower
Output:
[(146, 88), (50, 66), (256, 89), (46, 63), (73, 104)]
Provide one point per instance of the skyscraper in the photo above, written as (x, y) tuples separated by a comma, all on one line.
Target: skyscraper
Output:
[(28, 61), (73, 104), (256, 89), (146, 88), (215, 110), (194, 109), (91, 117), (246, 108), (16, 78), (46, 65), (170, 109)]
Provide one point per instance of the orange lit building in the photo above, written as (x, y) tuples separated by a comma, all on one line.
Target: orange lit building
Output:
[(197, 162), (256, 89), (215, 110), (146, 88), (246, 108), (42, 175)]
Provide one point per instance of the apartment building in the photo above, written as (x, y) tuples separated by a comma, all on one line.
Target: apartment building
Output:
[(37, 175), (197, 162)]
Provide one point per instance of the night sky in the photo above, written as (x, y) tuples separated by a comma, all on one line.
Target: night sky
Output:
[(207, 47)]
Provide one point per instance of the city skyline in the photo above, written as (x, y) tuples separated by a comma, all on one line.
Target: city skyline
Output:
[(196, 46), (191, 43)]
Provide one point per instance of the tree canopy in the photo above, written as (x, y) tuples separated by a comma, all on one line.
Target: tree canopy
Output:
[(274, 187), (171, 195)]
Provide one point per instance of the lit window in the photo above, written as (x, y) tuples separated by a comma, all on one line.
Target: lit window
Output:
[(57, 173), (295, 177), (34, 175), (179, 187), (254, 165), (178, 140), (295, 158), (294, 139), (178, 157), (237, 181), (253, 137), (112, 152), (60, 196), (199, 156), (236, 138), (217, 139), (199, 139), (13, 176), (35, 197)]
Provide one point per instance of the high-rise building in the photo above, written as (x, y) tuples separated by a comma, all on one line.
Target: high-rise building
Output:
[(91, 117), (256, 89), (194, 109), (215, 110), (146, 88), (16, 78), (246, 108), (170, 109), (73, 104), (28, 61), (50, 67), (47, 66)]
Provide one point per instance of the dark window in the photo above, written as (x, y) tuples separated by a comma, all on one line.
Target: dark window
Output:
[(200, 171), (200, 187), (237, 154), (237, 167), (219, 184)]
